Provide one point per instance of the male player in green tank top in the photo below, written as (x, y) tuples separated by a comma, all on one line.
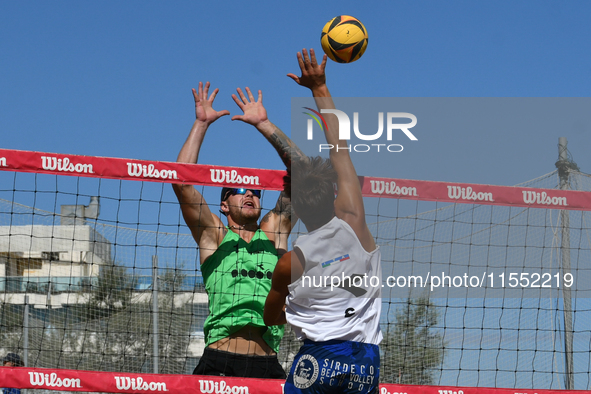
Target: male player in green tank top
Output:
[(237, 260)]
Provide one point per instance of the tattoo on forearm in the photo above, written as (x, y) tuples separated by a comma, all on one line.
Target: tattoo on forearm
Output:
[(282, 208), (287, 150), (283, 205)]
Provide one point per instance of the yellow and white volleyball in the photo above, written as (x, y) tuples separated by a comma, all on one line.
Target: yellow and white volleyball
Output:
[(344, 39)]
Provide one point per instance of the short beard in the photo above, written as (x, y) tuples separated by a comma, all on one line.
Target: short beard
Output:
[(244, 217)]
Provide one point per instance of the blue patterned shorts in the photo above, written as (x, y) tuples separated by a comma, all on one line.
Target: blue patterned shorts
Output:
[(334, 367)]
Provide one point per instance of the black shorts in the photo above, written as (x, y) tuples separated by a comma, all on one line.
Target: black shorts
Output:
[(219, 363)]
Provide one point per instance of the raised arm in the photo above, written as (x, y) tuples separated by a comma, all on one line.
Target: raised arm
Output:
[(206, 228), (255, 114), (278, 223), (349, 201)]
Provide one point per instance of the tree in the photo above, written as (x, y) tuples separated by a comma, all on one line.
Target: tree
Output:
[(11, 324), (174, 320), (90, 334), (121, 339), (113, 290), (113, 330), (110, 329), (413, 348)]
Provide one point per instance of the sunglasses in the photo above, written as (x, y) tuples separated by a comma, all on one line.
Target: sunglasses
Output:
[(241, 191)]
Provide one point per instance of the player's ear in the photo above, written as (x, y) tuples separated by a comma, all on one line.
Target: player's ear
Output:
[(224, 208)]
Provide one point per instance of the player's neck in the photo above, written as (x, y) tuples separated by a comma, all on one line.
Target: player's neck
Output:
[(315, 226), (245, 231)]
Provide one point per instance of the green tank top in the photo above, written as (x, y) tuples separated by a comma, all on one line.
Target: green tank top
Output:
[(237, 278)]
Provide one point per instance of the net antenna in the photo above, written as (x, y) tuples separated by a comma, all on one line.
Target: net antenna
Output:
[(565, 165)]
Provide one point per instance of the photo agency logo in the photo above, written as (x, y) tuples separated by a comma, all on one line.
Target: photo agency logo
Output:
[(395, 122)]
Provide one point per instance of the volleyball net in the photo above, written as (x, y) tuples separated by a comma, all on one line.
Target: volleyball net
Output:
[(100, 283)]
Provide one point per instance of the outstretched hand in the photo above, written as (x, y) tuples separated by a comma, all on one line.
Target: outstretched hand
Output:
[(313, 75), (204, 111), (254, 111)]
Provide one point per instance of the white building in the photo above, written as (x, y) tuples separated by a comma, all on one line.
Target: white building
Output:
[(62, 254), (52, 265)]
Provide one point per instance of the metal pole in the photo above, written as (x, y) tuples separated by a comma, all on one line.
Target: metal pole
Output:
[(563, 167), (26, 332), (155, 312)]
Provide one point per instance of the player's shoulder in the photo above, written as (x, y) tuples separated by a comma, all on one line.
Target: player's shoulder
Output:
[(358, 227), (211, 242), (273, 227)]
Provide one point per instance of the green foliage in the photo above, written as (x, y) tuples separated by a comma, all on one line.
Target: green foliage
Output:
[(121, 339), (112, 330), (113, 290), (412, 348), (11, 317), (11, 323)]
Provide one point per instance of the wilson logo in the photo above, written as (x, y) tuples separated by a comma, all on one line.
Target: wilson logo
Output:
[(127, 383), (530, 197), (65, 165), (3, 162), (221, 387), (221, 176), (467, 193), (149, 171), (381, 187), (52, 380)]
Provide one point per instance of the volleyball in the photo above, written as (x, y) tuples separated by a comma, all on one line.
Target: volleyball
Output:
[(344, 39)]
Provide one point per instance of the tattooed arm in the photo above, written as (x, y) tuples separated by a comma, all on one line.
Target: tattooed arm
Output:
[(281, 219), (278, 223)]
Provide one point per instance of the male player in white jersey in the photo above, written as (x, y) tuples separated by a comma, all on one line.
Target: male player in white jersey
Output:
[(339, 324)]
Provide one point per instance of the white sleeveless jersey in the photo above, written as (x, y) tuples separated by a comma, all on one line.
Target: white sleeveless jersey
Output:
[(323, 304)]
